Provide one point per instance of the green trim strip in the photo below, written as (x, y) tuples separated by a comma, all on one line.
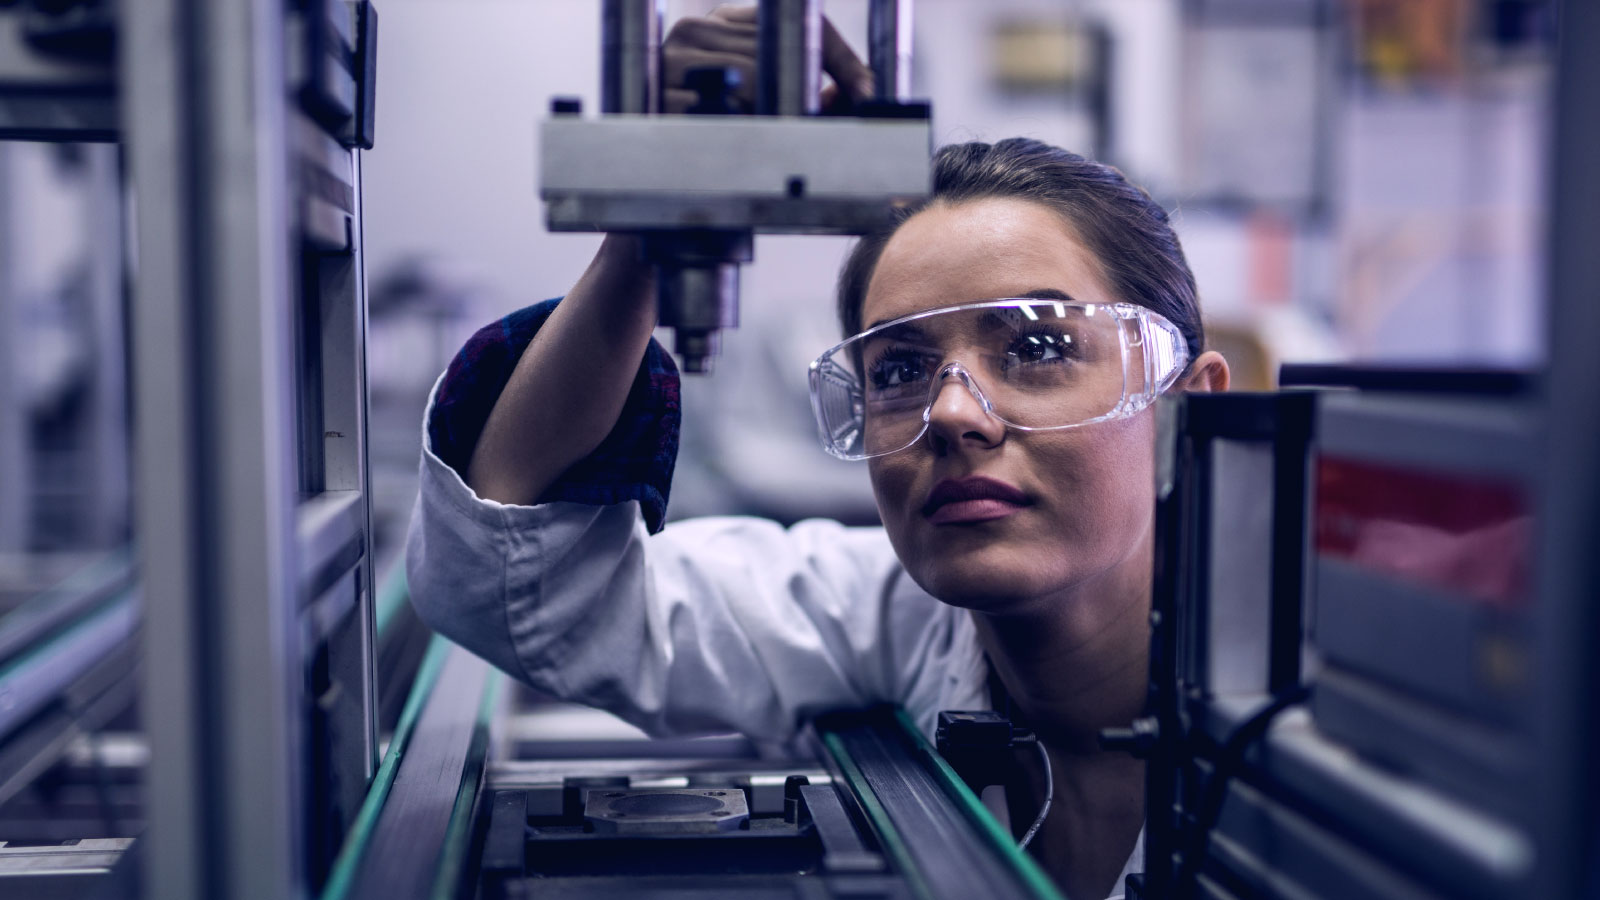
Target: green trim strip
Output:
[(887, 834), (454, 853), (393, 592), (42, 651), (999, 837), (96, 572), (344, 867)]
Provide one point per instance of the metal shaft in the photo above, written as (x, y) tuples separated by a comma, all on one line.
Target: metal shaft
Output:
[(889, 48), (789, 82), (630, 42), (698, 287)]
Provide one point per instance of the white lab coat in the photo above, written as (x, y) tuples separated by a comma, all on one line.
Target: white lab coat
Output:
[(712, 625)]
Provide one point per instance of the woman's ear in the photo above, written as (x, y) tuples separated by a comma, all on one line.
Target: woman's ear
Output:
[(1208, 374)]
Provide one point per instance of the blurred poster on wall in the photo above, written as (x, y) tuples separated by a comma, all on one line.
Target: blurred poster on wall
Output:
[(1054, 67), (1404, 43), (1254, 117)]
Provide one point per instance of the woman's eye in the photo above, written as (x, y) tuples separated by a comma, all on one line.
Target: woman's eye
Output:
[(892, 373), (1038, 348)]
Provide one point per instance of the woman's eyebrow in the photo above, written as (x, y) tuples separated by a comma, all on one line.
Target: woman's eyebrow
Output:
[(908, 332), (1047, 294), (1034, 294)]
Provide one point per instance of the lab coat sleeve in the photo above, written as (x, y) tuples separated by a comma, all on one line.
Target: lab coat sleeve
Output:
[(714, 624), (710, 625)]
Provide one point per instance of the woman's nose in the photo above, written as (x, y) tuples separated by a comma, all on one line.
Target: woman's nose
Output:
[(958, 417)]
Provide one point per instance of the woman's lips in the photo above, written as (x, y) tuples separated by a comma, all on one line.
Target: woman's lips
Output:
[(972, 511), (972, 499)]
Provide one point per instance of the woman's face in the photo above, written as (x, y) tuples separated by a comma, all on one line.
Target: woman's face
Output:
[(1080, 506)]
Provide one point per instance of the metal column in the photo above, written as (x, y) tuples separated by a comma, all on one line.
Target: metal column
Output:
[(203, 94), (15, 483), (789, 73), (630, 56), (889, 48), (1567, 786)]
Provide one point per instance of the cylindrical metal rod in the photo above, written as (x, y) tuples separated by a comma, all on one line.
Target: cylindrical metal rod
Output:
[(630, 42), (789, 82), (889, 48)]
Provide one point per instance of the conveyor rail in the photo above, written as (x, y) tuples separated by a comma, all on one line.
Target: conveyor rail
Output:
[(415, 826), (934, 828)]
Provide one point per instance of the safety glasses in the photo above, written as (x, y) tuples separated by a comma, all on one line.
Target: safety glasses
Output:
[(1034, 364)]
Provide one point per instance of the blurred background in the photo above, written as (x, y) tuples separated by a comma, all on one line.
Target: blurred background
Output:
[(1352, 179), (1356, 179)]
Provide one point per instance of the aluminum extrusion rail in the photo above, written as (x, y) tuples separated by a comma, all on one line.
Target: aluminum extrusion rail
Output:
[(939, 836), (52, 610), (415, 826), (36, 678)]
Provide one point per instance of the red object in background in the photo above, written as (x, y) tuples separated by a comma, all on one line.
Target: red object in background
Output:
[(1271, 243), (1468, 536)]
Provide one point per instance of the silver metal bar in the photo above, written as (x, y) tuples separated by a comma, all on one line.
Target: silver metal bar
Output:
[(368, 633), (789, 57), (203, 86), (630, 68), (889, 48), (165, 517), (82, 861), (16, 460), (107, 505)]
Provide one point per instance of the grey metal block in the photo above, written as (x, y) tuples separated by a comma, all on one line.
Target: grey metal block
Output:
[(839, 176)]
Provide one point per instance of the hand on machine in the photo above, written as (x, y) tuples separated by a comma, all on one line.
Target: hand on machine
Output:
[(700, 49), (750, 142)]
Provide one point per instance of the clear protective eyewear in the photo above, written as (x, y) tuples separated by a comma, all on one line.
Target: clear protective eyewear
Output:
[(1033, 364)]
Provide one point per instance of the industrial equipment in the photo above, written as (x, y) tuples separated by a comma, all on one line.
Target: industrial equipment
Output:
[(1327, 719), (698, 186), (1372, 667), (1344, 685), (874, 813)]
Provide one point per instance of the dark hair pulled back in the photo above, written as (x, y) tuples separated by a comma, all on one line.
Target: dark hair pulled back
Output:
[(1126, 230)]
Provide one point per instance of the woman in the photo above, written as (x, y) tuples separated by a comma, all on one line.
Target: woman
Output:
[(1010, 446)]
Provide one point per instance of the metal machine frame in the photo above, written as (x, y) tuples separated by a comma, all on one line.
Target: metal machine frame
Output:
[(240, 123), (254, 512)]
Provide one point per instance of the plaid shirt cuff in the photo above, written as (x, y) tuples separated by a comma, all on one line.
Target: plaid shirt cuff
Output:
[(635, 460)]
